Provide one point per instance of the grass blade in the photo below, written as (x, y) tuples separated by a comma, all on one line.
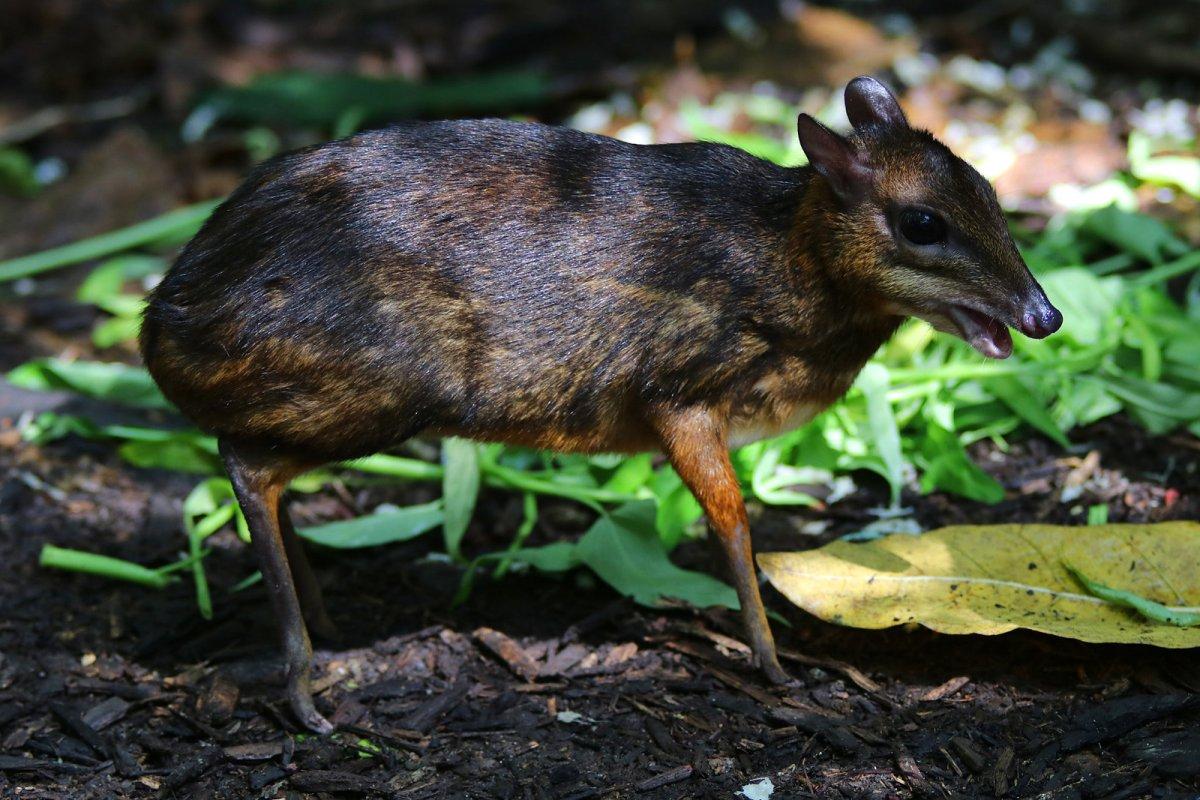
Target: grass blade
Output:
[(176, 224), (105, 566), (460, 489)]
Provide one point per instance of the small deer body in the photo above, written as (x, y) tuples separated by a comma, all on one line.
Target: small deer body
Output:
[(500, 280), (539, 286)]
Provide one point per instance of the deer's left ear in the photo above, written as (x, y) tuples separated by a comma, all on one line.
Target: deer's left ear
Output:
[(870, 102), (836, 159)]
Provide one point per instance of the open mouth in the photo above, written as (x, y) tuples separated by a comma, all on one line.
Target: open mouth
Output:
[(982, 331)]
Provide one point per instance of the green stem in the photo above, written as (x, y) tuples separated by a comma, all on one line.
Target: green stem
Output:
[(175, 223), (1171, 269), (397, 467), (105, 566), (506, 478), (523, 532)]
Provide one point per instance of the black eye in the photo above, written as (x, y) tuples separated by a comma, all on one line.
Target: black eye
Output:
[(922, 227)]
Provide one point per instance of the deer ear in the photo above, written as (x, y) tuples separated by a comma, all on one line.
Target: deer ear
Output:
[(870, 102), (835, 159)]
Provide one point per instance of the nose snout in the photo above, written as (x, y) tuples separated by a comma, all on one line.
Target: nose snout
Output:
[(1040, 319)]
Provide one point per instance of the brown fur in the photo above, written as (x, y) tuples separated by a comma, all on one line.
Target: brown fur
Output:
[(542, 287)]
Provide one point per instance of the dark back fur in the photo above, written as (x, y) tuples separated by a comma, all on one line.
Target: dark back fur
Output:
[(504, 281)]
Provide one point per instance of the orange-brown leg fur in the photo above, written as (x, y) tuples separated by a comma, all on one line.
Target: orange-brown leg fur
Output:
[(259, 481), (695, 442)]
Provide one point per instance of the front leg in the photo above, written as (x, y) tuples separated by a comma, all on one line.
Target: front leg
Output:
[(695, 441)]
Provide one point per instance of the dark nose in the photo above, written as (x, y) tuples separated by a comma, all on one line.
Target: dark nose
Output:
[(1041, 319)]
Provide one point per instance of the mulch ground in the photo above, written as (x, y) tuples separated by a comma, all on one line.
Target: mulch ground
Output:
[(556, 688)]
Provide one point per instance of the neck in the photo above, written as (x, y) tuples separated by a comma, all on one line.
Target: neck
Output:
[(818, 314)]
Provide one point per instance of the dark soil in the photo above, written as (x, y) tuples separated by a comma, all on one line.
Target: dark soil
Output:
[(540, 688)]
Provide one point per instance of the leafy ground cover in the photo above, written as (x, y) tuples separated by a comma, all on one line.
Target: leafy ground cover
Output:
[(597, 684)]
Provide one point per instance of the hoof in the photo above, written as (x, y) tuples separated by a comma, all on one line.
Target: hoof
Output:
[(311, 718), (302, 705), (775, 673)]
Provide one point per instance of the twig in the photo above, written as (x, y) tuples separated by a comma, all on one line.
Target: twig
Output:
[(51, 117)]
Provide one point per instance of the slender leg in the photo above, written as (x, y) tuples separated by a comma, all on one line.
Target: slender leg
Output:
[(258, 484), (308, 590), (694, 440)]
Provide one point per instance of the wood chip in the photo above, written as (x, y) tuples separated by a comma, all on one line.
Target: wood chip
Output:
[(563, 660), (328, 780), (1001, 770), (973, 759), (1078, 476), (909, 768), (620, 654), (719, 639), (23, 764), (1117, 717), (75, 724), (348, 712), (254, 751), (423, 718), (661, 736), (842, 739), (855, 675), (219, 701), (733, 681), (946, 689), (511, 653), (680, 773), (191, 767), (101, 715)]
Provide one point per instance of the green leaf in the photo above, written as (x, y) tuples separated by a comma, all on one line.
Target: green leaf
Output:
[(118, 383), (115, 330), (214, 502), (677, 509), (553, 557), (1085, 402), (17, 173), (528, 521), (624, 549), (990, 579), (948, 467), (382, 527), (1136, 233), (156, 448), (770, 478), (104, 285), (1170, 170), (206, 497), (874, 381), (460, 489), (1160, 407), (1087, 303), (397, 467), (181, 454), (1027, 405), (631, 474)]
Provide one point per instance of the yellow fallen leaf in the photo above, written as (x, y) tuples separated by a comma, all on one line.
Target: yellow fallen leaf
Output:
[(994, 578)]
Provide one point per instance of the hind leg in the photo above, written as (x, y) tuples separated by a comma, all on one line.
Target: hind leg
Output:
[(258, 481), (308, 590)]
